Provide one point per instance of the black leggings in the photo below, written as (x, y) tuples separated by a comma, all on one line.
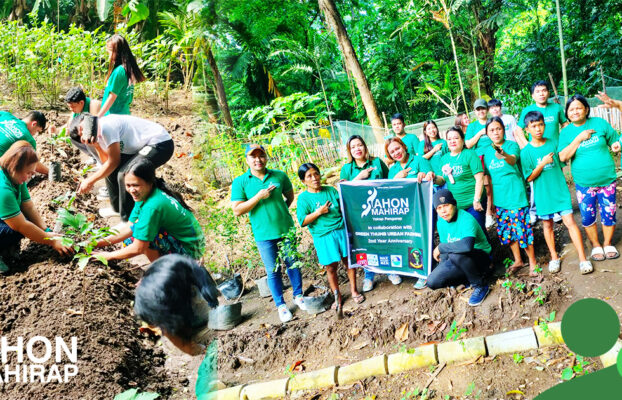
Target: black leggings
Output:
[(456, 268), (120, 200)]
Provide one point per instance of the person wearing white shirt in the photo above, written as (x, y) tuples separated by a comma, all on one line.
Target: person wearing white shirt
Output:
[(495, 110)]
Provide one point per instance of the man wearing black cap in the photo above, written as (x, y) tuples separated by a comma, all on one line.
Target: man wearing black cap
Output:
[(464, 251)]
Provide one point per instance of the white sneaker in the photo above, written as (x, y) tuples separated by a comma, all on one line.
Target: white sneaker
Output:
[(284, 314), (490, 221), (108, 212), (300, 302), (103, 194), (395, 279)]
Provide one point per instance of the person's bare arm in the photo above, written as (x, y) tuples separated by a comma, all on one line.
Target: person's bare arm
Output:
[(289, 198), (569, 151), (137, 248), (548, 159), (519, 135), (124, 233), (94, 107), (242, 207), (41, 168), (112, 162), (20, 224), (473, 141), (31, 214), (310, 218), (106, 106), (479, 186)]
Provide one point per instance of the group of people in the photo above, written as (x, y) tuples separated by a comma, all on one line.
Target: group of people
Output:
[(494, 170)]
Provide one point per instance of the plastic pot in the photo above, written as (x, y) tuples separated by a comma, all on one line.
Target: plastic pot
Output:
[(89, 128), (262, 285), (54, 174), (225, 317), (232, 288)]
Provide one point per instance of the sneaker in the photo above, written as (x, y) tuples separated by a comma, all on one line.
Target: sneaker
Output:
[(555, 266), (300, 302), (557, 218), (490, 221), (3, 267), (102, 194), (533, 218), (108, 212), (420, 284), (478, 295), (284, 314), (395, 279), (368, 285)]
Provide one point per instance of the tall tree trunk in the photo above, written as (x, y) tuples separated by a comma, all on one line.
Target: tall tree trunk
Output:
[(333, 19), (220, 88), (19, 10), (486, 38)]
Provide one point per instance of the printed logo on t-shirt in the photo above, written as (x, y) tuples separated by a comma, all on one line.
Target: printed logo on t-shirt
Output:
[(457, 170), (451, 239), (549, 119), (590, 142), (547, 166), (496, 164)]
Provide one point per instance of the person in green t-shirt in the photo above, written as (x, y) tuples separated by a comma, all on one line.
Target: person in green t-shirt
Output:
[(361, 164), (586, 142), (318, 208), (406, 165), (608, 102), (462, 121), (554, 117), (476, 138), (432, 148), (13, 129), (123, 74), (410, 140), (160, 223), (463, 172), (463, 253), (19, 217), (266, 194), (181, 314), (542, 166), (510, 198)]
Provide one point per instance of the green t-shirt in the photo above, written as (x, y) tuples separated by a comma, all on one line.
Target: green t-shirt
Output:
[(591, 165), (119, 84), (415, 163), (11, 197), (465, 165), (86, 108), (350, 170), (410, 140), (465, 225), (483, 143), (325, 223), (435, 160), (553, 116), (550, 188), (508, 185), (270, 218), (13, 129), (162, 212)]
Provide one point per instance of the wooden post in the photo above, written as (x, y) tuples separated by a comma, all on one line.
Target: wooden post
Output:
[(561, 48)]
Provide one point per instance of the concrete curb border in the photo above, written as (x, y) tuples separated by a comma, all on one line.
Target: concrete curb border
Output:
[(420, 357)]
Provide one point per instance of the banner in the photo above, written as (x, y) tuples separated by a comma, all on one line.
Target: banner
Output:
[(389, 225)]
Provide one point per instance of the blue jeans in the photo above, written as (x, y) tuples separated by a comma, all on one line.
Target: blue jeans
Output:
[(269, 251), (8, 237), (480, 216)]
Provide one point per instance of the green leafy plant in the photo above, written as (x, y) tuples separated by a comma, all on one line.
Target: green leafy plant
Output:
[(289, 247), (544, 323), (470, 390), (540, 294), (455, 333), (578, 369), (133, 394), (518, 358)]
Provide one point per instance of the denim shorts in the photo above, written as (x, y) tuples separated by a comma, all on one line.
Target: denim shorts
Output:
[(550, 216)]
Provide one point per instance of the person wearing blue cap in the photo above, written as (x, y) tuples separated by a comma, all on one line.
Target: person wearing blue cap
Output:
[(266, 195), (463, 253)]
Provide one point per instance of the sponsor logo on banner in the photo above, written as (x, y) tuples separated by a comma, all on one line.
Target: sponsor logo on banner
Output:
[(384, 261), (372, 260), (384, 206), (361, 259), (415, 258), (396, 261)]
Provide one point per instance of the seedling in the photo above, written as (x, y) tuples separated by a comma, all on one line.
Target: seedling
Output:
[(540, 294), (415, 394), (86, 170), (507, 284), (60, 139), (288, 247), (544, 323), (471, 389), (576, 370), (518, 358), (455, 334)]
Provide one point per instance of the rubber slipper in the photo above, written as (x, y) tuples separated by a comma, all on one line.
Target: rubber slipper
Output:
[(555, 266), (610, 249), (359, 298), (597, 251), (585, 267)]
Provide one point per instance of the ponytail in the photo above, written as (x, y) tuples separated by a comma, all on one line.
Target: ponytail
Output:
[(163, 186)]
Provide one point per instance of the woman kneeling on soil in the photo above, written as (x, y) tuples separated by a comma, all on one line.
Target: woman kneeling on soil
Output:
[(175, 295), (18, 216), (318, 208), (160, 223)]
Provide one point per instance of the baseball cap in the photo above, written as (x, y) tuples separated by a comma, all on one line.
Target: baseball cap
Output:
[(252, 147), (480, 103)]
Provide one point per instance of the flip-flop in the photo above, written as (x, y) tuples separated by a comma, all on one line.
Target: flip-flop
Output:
[(597, 251), (610, 249), (358, 299)]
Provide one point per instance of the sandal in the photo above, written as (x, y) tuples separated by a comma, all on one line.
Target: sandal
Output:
[(359, 298), (598, 254), (585, 267), (611, 250), (555, 266)]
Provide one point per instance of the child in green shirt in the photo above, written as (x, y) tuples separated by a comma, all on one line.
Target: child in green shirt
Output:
[(318, 208), (541, 166)]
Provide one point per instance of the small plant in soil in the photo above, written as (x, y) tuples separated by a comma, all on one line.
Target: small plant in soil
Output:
[(133, 394), (518, 358), (544, 323), (289, 247), (575, 370), (62, 138), (540, 294), (415, 394), (455, 333), (470, 390)]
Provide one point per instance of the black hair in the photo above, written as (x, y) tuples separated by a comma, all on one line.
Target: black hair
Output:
[(494, 103), (495, 119), (38, 117), (302, 171), (539, 83), (533, 116), (75, 95), (426, 139), (580, 99), (397, 116), (122, 55), (455, 129), (74, 125), (144, 169), (164, 295)]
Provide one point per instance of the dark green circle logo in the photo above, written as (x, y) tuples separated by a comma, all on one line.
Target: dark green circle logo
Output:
[(590, 327)]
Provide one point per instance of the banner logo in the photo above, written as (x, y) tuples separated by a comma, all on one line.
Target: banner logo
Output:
[(370, 201), (391, 206), (361, 259), (396, 261)]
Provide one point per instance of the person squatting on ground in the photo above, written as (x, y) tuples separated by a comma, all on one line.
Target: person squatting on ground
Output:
[(463, 253), (318, 208), (266, 194), (119, 140), (13, 129), (161, 222), (19, 217)]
